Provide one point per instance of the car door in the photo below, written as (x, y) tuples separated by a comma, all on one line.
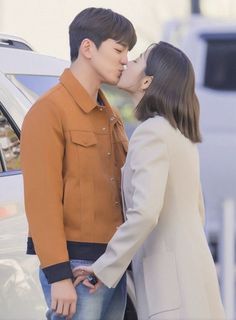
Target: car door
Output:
[(20, 293)]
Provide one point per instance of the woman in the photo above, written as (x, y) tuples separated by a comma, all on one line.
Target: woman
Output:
[(174, 273)]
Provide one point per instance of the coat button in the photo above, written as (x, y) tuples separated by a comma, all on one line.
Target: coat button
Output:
[(108, 153)]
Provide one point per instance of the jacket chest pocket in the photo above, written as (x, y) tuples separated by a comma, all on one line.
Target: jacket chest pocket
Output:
[(85, 145), (84, 139), (85, 160)]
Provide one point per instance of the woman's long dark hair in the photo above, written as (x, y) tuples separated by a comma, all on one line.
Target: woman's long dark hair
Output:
[(172, 91)]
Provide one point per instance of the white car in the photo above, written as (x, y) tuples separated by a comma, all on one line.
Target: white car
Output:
[(24, 75)]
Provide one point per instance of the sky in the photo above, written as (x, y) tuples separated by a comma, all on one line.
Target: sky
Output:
[(44, 24)]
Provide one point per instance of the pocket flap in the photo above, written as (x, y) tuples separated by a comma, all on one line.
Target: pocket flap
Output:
[(83, 138)]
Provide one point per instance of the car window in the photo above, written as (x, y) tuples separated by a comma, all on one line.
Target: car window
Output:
[(9, 146), (220, 72), (33, 85)]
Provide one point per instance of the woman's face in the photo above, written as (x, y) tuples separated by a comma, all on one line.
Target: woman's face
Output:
[(133, 75)]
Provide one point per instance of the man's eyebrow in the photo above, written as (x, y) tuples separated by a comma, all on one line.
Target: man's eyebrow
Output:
[(123, 44)]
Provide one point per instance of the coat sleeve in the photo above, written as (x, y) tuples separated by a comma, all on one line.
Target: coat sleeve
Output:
[(150, 164), (42, 152), (201, 205)]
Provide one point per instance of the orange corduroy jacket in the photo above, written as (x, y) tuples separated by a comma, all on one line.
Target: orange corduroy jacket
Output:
[(72, 150)]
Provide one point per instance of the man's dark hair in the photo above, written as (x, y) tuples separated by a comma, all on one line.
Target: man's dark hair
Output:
[(98, 25), (172, 91)]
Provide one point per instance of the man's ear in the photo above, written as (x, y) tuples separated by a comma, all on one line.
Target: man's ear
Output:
[(86, 48), (146, 81)]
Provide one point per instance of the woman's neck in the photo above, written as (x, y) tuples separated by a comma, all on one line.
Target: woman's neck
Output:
[(136, 97)]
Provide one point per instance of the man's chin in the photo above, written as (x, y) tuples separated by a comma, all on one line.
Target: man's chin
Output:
[(112, 82), (115, 82), (120, 86)]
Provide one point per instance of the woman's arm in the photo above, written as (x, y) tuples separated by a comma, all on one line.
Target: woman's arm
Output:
[(149, 163), (201, 205)]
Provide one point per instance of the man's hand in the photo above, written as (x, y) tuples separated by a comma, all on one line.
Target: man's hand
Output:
[(80, 274), (64, 298)]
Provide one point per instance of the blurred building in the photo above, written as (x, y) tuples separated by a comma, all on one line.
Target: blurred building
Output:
[(44, 24)]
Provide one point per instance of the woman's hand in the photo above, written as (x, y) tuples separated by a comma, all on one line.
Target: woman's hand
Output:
[(80, 273)]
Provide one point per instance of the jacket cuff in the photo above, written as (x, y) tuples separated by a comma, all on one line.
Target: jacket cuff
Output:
[(58, 272)]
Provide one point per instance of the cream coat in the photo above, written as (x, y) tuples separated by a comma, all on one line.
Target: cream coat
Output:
[(174, 273)]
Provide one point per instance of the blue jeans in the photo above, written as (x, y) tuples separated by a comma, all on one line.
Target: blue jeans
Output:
[(104, 304)]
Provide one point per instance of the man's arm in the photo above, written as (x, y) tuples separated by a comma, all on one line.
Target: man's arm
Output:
[(42, 151)]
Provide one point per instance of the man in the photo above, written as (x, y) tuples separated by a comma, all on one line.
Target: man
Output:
[(73, 145)]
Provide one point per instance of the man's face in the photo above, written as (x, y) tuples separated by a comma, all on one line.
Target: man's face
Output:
[(108, 61)]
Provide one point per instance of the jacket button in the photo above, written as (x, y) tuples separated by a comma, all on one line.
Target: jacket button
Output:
[(104, 129), (108, 153), (112, 178), (117, 203)]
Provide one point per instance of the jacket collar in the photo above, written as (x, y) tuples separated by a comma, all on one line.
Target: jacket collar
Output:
[(78, 92)]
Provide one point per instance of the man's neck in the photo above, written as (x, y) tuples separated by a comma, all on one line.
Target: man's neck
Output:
[(87, 78)]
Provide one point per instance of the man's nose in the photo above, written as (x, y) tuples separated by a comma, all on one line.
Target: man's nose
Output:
[(124, 58)]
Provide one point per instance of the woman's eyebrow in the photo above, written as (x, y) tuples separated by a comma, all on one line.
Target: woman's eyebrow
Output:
[(140, 56)]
